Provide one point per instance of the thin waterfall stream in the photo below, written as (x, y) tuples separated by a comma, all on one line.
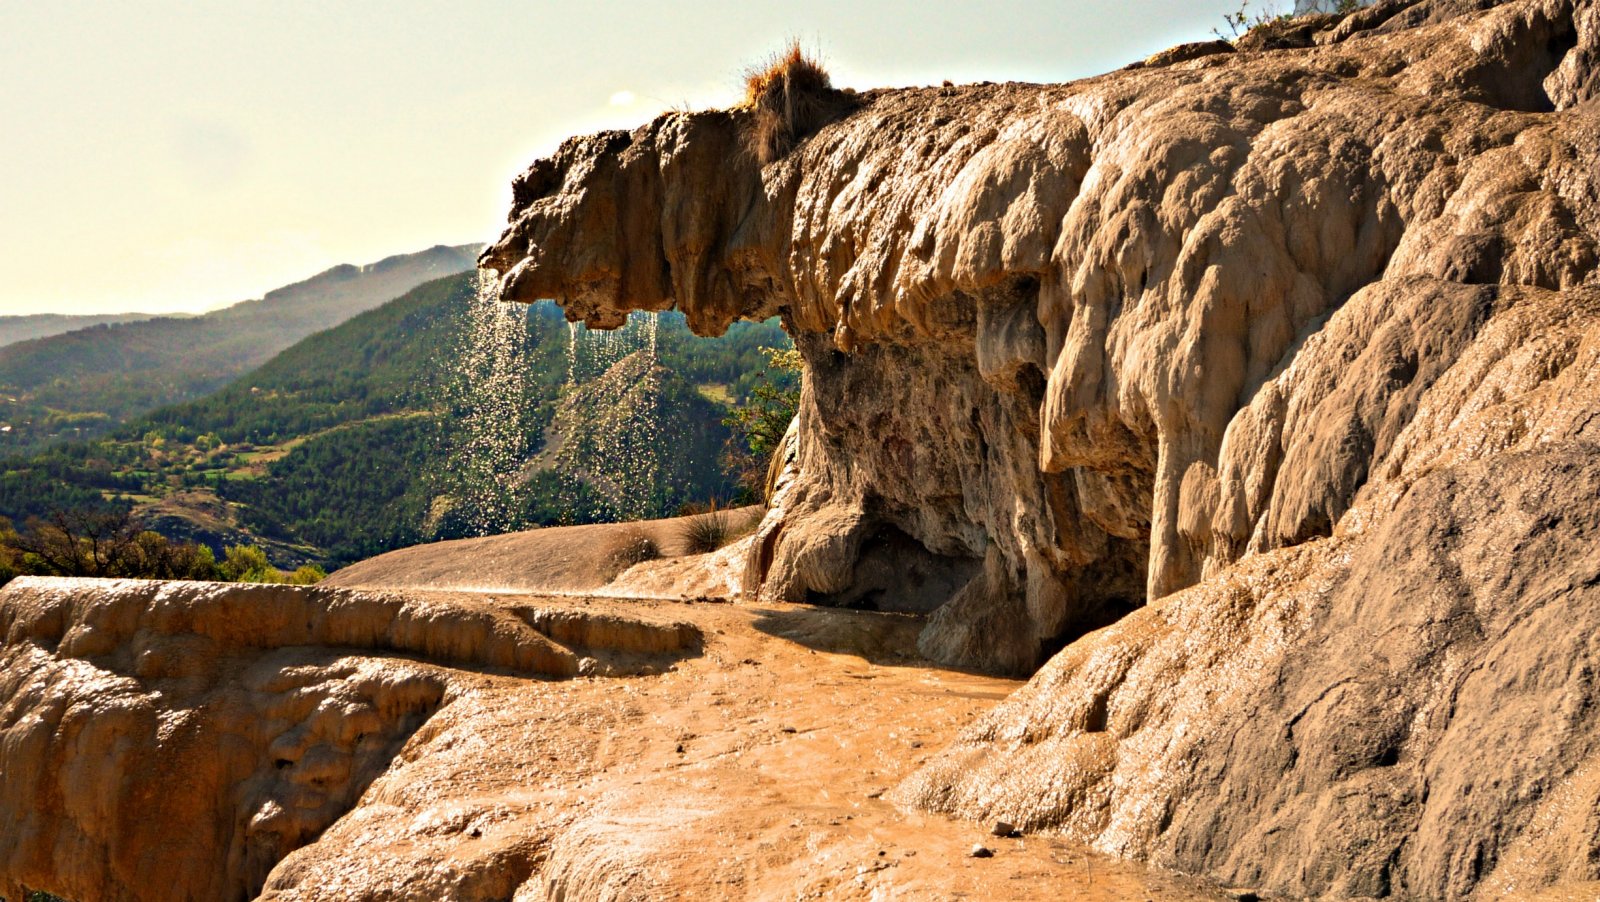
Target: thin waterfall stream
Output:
[(600, 450)]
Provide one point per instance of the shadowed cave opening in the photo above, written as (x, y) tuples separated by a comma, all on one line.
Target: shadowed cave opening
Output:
[(1518, 79), (895, 573)]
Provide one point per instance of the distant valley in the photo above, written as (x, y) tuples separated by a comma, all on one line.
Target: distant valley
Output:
[(83, 383), (340, 446)]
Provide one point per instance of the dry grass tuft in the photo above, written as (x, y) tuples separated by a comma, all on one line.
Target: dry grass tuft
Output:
[(704, 532), (791, 96), (708, 528), (629, 546)]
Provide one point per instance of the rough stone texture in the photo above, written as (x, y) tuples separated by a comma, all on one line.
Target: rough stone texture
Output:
[(176, 740), (1301, 344), (1051, 332), (1307, 333), (565, 560), (344, 744), (1402, 712)]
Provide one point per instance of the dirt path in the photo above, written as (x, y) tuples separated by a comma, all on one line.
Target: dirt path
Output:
[(753, 770)]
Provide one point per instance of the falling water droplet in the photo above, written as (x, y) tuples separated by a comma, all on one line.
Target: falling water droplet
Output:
[(487, 398), (603, 450), (610, 430)]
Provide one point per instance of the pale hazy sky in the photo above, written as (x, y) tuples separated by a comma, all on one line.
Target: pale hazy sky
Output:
[(161, 155)]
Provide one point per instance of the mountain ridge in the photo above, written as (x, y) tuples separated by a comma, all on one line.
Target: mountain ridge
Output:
[(22, 327), (83, 383)]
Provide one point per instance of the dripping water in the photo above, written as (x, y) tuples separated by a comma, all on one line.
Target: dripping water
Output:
[(600, 456), (490, 419), (610, 432)]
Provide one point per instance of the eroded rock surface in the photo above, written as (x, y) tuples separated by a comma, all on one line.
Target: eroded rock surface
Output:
[(167, 741), (742, 754), (1406, 711), (1057, 335), (1298, 342)]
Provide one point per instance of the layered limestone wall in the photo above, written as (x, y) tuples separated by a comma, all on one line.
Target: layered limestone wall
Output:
[(1071, 348)]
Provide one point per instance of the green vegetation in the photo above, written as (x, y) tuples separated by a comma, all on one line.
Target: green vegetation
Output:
[(43, 325), (759, 423), (84, 383), (112, 544), (339, 447), (248, 564), (353, 492)]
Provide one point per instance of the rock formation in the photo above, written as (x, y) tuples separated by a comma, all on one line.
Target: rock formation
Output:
[(176, 740), (1404, 710), (214, 742), (1259, 386), (1306, 331), (1053, 333)]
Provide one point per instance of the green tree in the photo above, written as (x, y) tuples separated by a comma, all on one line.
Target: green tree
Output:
[(309, 575), (99, 543), (760, 423), (248, 564)]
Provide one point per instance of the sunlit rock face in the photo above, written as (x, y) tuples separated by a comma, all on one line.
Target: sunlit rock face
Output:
[(1074, 341), (1403, 711), (177, 740)]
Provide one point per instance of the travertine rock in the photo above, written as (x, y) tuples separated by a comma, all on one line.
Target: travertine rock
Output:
[(1055, 335), (176, 740), (1302, 345), (1403, 712), (1299, 342), (745, 759)]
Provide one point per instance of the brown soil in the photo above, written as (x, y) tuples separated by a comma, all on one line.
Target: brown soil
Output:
[(754, 770)]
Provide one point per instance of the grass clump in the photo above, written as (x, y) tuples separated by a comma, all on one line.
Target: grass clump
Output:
[(629, 546), (709, 527), (791, 96), (1259, 17), (705, 531)]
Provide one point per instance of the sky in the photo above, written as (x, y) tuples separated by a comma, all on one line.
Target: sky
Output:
[(167, 156)]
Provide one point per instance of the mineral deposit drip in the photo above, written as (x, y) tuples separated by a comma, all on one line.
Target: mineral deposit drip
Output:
[(593, 352)]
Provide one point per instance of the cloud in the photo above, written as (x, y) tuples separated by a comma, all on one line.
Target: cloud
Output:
[(623, 98)]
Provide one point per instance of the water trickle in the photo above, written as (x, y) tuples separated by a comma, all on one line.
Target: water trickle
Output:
[(606, 439), (618, 443), (491, 426)]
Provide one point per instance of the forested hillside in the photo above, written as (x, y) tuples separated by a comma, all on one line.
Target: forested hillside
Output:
[(86, 382), (350, 442), (43, 325)]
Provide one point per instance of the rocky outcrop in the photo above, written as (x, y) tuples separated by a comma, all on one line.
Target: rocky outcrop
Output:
[(177, 740), (208, 742), (1065, 337), (1298, 344), (1402, 710)]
